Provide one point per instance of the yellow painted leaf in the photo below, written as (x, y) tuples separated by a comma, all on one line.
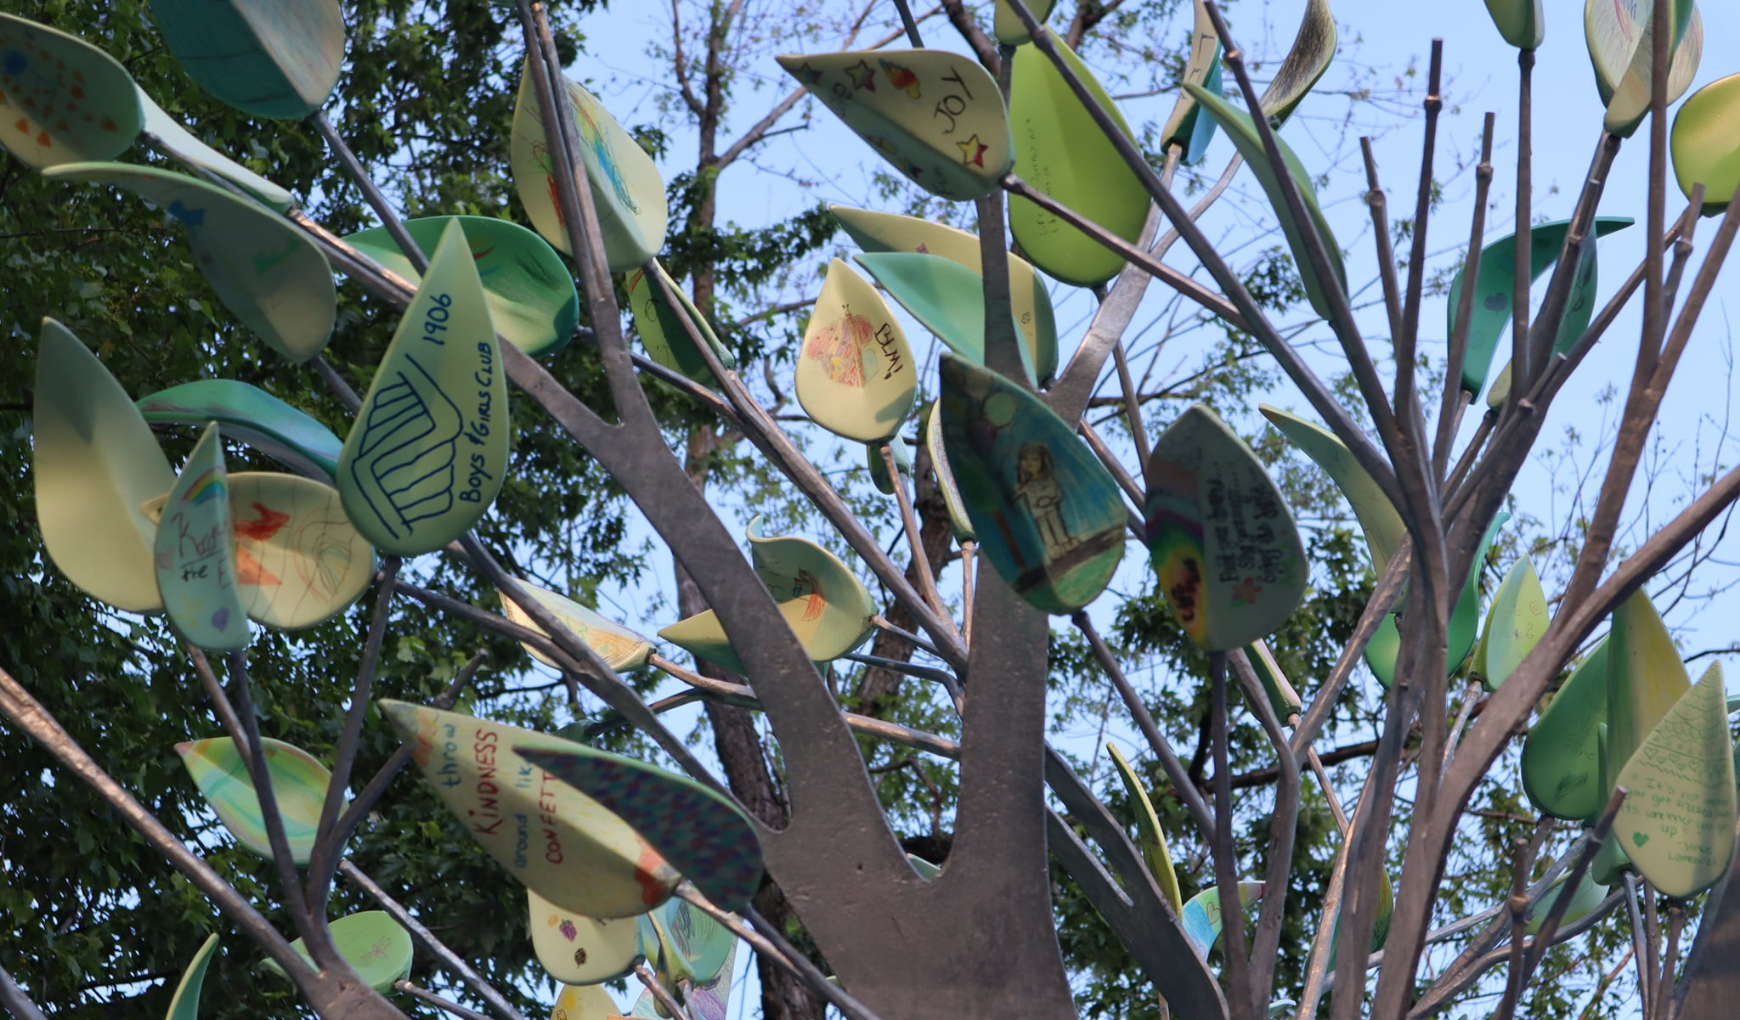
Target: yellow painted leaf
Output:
[(855, 373)]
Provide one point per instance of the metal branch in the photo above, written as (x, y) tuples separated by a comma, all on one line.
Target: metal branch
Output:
[(1455, 400), (1226, 876), (445, 1005), (1521, 358), (909, 524), (1283, 826), (429, 943), (16, 1002)]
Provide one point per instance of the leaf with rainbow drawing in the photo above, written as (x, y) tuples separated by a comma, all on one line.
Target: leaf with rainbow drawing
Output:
[(196, 553)]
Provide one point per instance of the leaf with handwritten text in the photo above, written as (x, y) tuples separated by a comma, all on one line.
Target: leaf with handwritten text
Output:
[(577, 853), (1063, 153), (1220, 536), (855, 374), (1050, 518), (299, 782), (1620, 37), (1677, 824), (47, 70), (1029, 299), (936, 116), (428, 450), (196, 553), (95, 464), (1561, 759), (374, 945)]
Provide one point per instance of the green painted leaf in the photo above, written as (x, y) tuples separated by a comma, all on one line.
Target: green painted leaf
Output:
[(47, 69), (265, 271), (1313, 50), (1586, 898), (1150, 837), (700, 832), (575, 852), (1514, 625), (1220, 535), (268, 58), (374, 945), (196, 553), (428, 451), (1029, 299), (1493, 292), (621, 648), (579, 950), (1049, 517), (95, 464), (662, 333), (1706, 143), (959, 521), (185, 1004), (855, 376), (1561, 759), (1282, 697), (1202, 915), (252, 416), (1008, 28), (170, 132), (627, 189), (696, 947), (1242, 130), (879, 470), (937, 116), (1063, 153), (531, 295), (299, 784), (1377, 516), (1186, 127), (1521, 22), (947, 297), (1677, 824), (823, 602), (1386, 644)]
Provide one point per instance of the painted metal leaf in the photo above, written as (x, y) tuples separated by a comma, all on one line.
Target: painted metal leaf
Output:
[(662, 333), (1561, 758), (196, 553), (584, 1002), (1064, 154), (1050, 519), (1521, 22), (277, 59), (575, 852), (95, 463), (938, 117), (1619, 37), (947, 297), (1514, 625), (182, 141), (579, 950), (1187, 127), (531, 294), (428, 451), (1587, 896), (1009, 30), (855, 376), (699, 832), (710, 999), (1677, 826), (926, 870), (1706, 143), (265, 271), (1029, 298), (1385, 646), (823, 602), (1282, 697), (1242, 130), (696, 946), (953, 502), (1220, 536), (1202, 915), (375, 946), (299, 782), (626, 186), (1493, 292), (621, 648), (249, 415), (62, 100), (1313, 50), (184, 1005), (879, 471), (1386, 909), (1150, 837), (1377, 516), (1645, 679)]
